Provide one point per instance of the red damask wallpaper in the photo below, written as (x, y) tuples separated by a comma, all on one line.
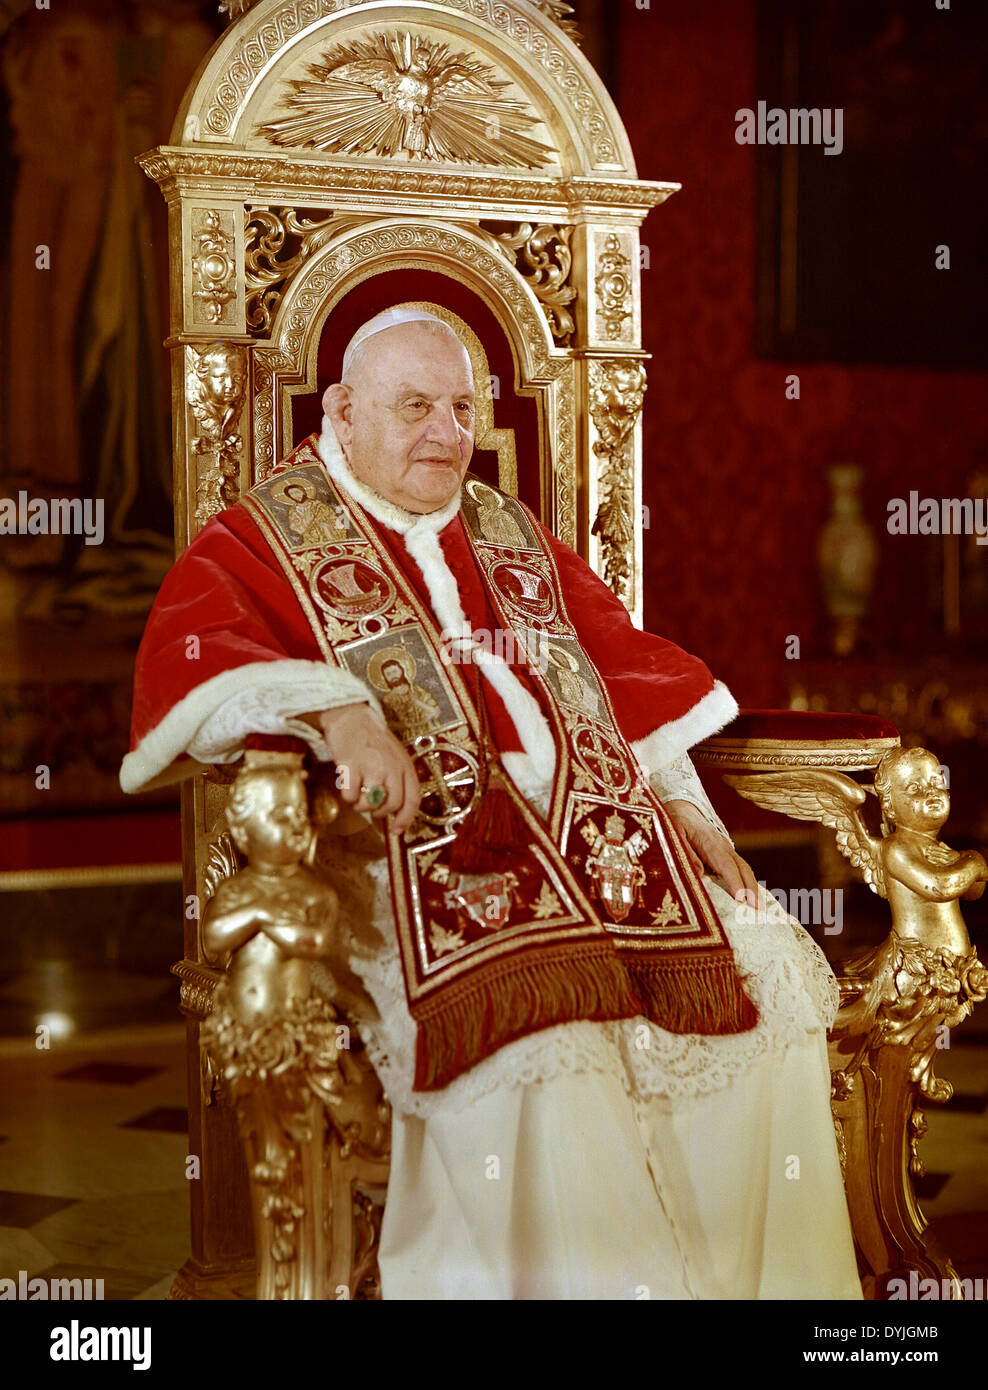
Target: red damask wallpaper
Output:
[(735, 474)]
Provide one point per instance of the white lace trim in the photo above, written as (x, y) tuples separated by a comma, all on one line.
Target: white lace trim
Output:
[(679, 781)]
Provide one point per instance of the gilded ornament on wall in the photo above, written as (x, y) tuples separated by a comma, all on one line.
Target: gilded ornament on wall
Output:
[(617, 391), (405, 96)]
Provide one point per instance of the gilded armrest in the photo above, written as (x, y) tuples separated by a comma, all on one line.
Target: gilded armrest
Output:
[(899, 1001), (766, 740), (274, 991)]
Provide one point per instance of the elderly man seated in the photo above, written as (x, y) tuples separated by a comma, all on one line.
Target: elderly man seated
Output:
[(609, 1079)]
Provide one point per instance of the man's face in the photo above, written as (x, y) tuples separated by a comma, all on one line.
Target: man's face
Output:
[(406, 421)]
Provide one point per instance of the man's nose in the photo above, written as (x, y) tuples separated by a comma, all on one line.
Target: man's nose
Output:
[(444, 428)]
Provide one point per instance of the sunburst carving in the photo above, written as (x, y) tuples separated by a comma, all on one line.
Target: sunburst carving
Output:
[(405, 96)]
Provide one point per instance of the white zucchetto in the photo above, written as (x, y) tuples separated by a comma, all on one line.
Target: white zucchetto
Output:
[(387, 318)]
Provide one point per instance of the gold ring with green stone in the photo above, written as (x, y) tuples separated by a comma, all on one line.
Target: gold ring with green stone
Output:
[(375, 795)]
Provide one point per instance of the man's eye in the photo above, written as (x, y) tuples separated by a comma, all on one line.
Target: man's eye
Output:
[(465, 408)]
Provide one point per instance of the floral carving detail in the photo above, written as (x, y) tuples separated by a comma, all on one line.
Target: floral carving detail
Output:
[(545, 250), (614, 288), (214, 265), (214, 389), (617, 390), (401, 94)]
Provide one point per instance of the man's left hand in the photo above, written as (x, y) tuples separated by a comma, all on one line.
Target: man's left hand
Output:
[(710, 852)]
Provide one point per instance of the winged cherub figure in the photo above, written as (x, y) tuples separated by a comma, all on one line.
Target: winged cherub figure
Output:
[(921, 877)]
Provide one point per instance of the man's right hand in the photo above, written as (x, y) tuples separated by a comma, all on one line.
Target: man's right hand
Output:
[(368, 755)]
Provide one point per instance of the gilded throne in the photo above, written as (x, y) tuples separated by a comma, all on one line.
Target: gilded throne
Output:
[(333, 157)]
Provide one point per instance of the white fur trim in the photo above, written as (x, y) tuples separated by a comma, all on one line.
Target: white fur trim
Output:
[(670, 741), (522, 771), (530, 723), (317, 681)]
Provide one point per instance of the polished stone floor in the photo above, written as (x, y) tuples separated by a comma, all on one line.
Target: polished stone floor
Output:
[(92, 1160)]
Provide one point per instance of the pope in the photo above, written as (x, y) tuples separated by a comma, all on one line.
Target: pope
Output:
[(602, 1079)]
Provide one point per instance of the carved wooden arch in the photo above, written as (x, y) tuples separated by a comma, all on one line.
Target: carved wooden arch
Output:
[(288, 364), (272, 44)]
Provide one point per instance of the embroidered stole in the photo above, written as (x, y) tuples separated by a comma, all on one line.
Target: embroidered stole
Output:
[(595, 913)]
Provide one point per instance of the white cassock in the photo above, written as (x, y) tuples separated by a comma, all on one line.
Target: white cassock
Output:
[(616, 1160)]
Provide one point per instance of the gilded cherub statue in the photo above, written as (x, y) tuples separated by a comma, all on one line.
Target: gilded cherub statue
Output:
[(271, 918), (921, 877), (925, 977), (280, 1045)]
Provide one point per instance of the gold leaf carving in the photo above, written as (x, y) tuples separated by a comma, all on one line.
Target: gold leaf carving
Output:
[(213, 263), (614, 288), (278, 242), (403, 95), (617, 389), (262, 40), (215, 381), (558, 11), (545, 251)]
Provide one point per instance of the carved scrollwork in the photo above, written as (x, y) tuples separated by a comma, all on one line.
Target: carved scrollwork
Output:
[(917, 992), (213, 263), (402, 95), (557, 10), (617, 390), (545, 251), (215, 382), (918, 1125), (278, 243), (615, 291), (367, 1216)]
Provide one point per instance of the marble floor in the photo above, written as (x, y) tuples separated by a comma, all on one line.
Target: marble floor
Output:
[(92, 1160)]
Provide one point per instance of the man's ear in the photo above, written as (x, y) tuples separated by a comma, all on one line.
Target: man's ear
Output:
[(337, 406)]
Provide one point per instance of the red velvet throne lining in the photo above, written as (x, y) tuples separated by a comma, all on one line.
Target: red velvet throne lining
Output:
[(511, 410)]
